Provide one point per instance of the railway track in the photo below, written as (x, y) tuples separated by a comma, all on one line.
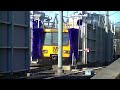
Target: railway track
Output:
[(48, 72), (51, 74)]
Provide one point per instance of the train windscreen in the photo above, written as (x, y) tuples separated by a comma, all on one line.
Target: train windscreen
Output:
[(52, 38), (47, 38)]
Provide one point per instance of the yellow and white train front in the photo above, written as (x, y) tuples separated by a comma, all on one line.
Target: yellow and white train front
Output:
[(50, 46)]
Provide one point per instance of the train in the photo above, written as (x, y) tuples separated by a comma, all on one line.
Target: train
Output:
[(50, 43), (50, 40)]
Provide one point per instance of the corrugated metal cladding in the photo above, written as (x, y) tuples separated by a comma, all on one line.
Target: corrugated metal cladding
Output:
[(14, 41), (100, 51)]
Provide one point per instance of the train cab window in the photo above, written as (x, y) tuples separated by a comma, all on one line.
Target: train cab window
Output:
[(65, 39), (51, 38), (55, 38), (47, 38)]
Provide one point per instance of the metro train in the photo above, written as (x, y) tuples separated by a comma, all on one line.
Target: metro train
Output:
[(50, 44)]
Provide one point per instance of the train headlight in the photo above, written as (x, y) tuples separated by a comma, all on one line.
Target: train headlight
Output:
[(66, 51), (45, 51)]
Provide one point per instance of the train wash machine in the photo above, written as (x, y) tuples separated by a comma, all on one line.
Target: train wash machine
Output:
[(37, 37)]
